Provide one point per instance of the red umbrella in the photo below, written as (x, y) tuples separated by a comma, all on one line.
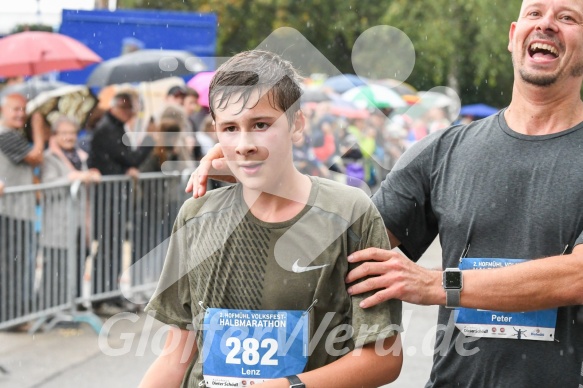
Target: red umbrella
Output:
[(201, 82), (37, 52)]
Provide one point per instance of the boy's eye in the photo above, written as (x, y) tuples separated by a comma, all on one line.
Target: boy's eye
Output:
[(230, 129), (262, 126)]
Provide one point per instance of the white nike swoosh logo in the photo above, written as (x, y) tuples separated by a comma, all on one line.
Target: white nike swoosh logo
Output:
[(299, 269)]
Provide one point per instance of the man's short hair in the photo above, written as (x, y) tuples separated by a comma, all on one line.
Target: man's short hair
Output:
[(10, 96), (61, 120), (190, 92), (121, 98), (254, 70), (176, 91)]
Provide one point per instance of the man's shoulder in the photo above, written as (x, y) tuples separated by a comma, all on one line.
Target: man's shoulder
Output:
[(11, 135), (107, 123), (432, 148)]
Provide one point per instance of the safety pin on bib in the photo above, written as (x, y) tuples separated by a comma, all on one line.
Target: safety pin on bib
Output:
[(310, 308)]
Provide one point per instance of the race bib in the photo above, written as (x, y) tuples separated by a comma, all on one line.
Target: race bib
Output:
[(246, 347), (533, 325)]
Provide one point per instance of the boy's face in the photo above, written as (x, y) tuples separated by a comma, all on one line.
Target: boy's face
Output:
[(257, 141)]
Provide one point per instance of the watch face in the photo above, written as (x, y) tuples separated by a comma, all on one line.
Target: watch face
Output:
[(453, 279)]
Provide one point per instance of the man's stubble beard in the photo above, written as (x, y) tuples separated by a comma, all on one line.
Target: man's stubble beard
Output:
[(548, 79)]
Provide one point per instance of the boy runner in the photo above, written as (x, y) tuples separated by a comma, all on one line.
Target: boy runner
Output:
[(256, 271)]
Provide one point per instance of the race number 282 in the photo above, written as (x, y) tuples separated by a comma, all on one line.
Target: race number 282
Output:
[(250, 355)]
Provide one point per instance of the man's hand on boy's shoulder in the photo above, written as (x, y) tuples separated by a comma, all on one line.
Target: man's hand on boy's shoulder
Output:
[(212, 165), (394, 276)]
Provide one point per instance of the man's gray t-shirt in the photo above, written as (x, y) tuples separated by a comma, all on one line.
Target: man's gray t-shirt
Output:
[(505, 195)]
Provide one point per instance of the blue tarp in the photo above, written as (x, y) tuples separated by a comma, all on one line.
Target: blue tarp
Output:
[(110, 33), (478, 110)]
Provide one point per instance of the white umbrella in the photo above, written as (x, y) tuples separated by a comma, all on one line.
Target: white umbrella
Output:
[(374, 96)]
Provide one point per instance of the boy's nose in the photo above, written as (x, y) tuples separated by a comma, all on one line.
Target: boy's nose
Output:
[(246, 145)]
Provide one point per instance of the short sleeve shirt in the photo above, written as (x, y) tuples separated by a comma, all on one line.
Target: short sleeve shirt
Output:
[(222, 256)]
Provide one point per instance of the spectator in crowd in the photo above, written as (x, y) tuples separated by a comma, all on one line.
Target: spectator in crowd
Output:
[(305, 160), (17, 212), (191, 105), (174, 110), (63, 161), (351, 162), (108, 153), (85, 134), (436, 119), (175, 95), (203, 140), (111, 156), (1, 187), (205, 137), (327, 150), (393, 143), (166, 146), (198, 117)]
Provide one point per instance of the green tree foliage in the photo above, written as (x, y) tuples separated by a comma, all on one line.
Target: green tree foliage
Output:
[(31, 27), (462, 44), (458, 43), (331, 26)]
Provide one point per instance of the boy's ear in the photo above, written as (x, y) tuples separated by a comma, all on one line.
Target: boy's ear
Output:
[(298, 126)]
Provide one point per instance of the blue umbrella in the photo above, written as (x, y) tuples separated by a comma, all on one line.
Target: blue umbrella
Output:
[(344, 82), (478, 110)]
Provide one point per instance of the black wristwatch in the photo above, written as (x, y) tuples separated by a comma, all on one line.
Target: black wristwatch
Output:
[(295, 382), (452, 283)]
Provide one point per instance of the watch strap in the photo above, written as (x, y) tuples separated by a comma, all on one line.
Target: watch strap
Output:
[(295, 382), (452, 298)]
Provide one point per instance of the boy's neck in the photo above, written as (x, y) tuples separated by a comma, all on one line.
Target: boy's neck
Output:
[(286, 201)]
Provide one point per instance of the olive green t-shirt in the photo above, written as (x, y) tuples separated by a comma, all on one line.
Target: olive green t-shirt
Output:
[(221, 256)]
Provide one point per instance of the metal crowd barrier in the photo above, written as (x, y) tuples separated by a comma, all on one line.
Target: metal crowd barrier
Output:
[(64, 247)]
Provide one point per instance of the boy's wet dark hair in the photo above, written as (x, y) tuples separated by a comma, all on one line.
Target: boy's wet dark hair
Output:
[(254, 70)]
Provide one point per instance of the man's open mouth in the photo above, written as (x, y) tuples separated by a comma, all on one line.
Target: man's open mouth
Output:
[(542, 51)]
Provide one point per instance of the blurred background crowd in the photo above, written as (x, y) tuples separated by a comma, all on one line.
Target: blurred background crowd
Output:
[(118, 94), (356, 127)]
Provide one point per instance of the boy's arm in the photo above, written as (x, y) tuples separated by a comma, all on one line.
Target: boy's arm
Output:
[(370, 368), (169, 368)]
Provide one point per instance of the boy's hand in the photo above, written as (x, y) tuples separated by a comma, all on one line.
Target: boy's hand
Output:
[(214, 166)]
